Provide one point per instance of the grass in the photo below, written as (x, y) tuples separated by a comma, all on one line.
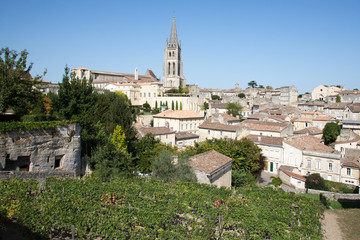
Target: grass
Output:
[(311, 196), (276, 181), (348, 220)]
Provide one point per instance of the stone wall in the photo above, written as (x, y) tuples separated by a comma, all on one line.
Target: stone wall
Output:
[(41, 151)]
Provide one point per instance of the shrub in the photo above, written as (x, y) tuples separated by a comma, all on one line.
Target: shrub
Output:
[(315, 181), (276, 181), (241, 178)]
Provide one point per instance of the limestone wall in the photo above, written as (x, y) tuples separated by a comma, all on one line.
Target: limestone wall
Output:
[(42, 150)]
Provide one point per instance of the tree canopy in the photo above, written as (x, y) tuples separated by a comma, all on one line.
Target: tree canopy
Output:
[(18, 90), (252, 84), (246, 155), (234, 109), (331, 132)]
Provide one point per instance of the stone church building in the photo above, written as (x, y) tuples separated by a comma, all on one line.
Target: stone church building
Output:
[(173, 67)]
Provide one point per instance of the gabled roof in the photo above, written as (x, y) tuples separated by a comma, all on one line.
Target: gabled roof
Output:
[(219, 105), (292, 174), (352, 157), (185, 135), (209, 162), (207, 124), (310, 143), (341, 105), (178, 114), (265, 126), (309, 130), (266, 140), (154, 130), (354, 107)]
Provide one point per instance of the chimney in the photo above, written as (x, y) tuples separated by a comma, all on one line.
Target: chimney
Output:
[(259, 138), (136, 74)]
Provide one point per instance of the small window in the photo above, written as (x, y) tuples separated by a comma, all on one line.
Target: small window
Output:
[(348, 171), (330, 166), (208, 131), (318, 164), (58, 161), (309, 163)]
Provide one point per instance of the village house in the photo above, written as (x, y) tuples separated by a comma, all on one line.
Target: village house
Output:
[(311, 106), (211, 128), (309, 155), (185, 139), (306, 122), (350, 96), (311, 131), (350, 167), (352, 112), (271, 149), (336, 110), (179, 120), (264, 128), (341, 146), (213, 168), (164, 134)]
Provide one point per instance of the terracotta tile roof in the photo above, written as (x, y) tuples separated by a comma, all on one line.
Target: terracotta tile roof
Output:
[(185, 135), (352, 157), (178, 114), (309, 130), (356, 139), (302, 119), (322, 118), (266, 140), (154, 130), (341, 105), (209, 90), (310, 143), (349, 92), (256, 116), (313, 103), (354, 107), (219, 105), (218, 126), (292, 174), (209, 161), (265, 126)]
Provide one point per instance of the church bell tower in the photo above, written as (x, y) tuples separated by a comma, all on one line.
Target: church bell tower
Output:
[(173, 67)]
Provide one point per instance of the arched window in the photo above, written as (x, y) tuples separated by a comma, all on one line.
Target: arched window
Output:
[(173, 68), (173, 54), (169, 69)]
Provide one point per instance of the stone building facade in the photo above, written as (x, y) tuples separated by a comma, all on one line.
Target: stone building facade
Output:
[(173, 67)]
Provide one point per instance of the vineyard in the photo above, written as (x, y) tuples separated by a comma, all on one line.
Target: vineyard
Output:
[(142, 208)]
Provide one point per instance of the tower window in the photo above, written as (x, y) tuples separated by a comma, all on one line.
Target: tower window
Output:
[(173, 68), (169, 54), (169, 69)]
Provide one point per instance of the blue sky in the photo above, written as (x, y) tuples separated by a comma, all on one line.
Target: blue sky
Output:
[(278, 43)]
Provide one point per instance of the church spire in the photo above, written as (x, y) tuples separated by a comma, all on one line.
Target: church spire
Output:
[(173, 35)]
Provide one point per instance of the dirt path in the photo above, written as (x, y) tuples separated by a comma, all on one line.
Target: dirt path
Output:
[(331, 227)]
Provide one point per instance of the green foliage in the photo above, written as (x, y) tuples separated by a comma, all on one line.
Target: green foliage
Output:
[(341, 187), (109, 161), (338, 98), (146, 107), (18, 91), (28, 126), (181, 107), (261, 86), (240, 178), (172, 105), (245, 153), (112, 109), (146, 208), (252, 84), (315, 181), (241, 95), (205, 106), (164, 168), (234, 109), (300, 96), (331, 132), (156, 105), (276, 181), (145, 149), (215, 97), (177, 105), (119, 138), (325, 200)]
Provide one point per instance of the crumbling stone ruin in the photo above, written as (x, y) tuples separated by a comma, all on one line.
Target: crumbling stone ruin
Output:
[(41, 153)]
